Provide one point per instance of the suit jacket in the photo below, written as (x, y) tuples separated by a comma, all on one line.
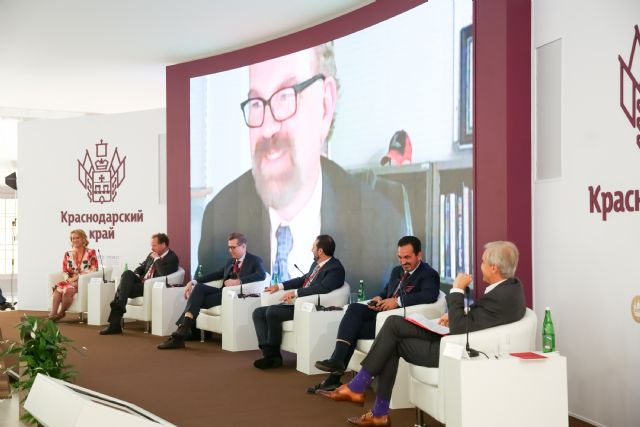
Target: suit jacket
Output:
[(504, 304), (164, 266), (329, 278), (422, 287), (364, 222), (251, 270)]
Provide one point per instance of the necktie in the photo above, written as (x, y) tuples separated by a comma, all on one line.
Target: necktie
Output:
[(403, 279), (235, 269), (313, 275), (151, 270), (284, 245)]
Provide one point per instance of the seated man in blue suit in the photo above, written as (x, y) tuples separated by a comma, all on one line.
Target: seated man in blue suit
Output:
[(412, 282), (241, 267), (325, 275)]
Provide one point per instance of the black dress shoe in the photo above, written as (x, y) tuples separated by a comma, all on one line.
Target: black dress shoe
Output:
[(112, 329), (172, 342), (183, 332), (268, 362), (329, 366), (323, 386)]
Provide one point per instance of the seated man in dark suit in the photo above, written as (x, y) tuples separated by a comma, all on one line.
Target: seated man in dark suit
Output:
[(412, 282), (325, 275), (503, 302), (241, 267), (162, 261)]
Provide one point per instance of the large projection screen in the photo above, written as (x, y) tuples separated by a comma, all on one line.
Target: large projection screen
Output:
[(393, 97)]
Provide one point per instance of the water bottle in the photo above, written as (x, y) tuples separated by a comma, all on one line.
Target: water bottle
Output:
[(548, 333), (361, 296), (275, 279), (198, 272), (126, 266)]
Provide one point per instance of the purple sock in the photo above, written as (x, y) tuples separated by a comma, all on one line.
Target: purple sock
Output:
[(381, 407), (361, 381)]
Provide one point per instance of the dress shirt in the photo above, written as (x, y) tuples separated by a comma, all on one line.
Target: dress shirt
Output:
[(486, 290), (305, 227)]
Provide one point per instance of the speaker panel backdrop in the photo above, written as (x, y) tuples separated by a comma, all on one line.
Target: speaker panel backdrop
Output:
[(102, 174)]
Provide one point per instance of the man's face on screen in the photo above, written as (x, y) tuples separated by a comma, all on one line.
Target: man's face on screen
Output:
[(286, 154)]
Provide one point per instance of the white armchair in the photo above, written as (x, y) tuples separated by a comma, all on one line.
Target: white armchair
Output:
[(400, 394), (140, 308), (311, 334), (427, 388), (79, 304), (232, 318)]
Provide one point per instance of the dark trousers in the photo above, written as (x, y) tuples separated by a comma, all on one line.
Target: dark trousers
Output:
[(399, 338), (358, 323), (131, 286), (268, 323), (202, 296), (2, 299)]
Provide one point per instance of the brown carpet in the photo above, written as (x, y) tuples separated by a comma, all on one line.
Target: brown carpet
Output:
[(202, 384)]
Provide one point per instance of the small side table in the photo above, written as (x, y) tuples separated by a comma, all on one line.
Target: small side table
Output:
[(99, 295), (506, 392), (238, 331), (167, 304), (316, 333)]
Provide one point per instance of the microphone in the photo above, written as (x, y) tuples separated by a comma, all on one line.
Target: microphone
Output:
[(471, 352), (104, 280), (241, 295), (298, 268)]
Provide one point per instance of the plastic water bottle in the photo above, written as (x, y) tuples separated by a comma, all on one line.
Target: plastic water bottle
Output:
[(361, 296), (275, 279), (548, 333), (126, 266), (198, 272)]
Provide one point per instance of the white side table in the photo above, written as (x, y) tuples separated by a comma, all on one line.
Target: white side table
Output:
[(238, 331), (506, 392), (167, 304), (99, 295), (316, 333)]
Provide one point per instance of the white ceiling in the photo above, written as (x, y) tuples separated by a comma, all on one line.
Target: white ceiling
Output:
[(109, 56)]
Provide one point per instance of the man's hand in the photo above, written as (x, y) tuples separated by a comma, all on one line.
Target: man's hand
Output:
[(388, 304), (444, 320), (462, 281), (271, 289), (231, 282), (288, 297), (188, 289), (73, 278)]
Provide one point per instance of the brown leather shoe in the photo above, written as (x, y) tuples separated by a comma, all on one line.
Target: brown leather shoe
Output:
[(343, 393), (369, 419)]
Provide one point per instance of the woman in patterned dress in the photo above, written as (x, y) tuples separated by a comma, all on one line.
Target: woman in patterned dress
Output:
[(79, 260)]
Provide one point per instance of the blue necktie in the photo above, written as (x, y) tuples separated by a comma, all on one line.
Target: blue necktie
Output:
[(285, 244)]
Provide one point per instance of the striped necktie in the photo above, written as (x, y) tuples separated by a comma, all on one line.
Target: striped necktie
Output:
[(312, 276)]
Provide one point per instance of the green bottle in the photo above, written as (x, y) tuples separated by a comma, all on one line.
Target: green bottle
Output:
[(548, 333), (126, 267), (361, 296), (198, 272)]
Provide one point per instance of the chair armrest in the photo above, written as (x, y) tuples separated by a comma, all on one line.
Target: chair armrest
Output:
[(271, 299), (213, 284), (54, 278), (248, 288)]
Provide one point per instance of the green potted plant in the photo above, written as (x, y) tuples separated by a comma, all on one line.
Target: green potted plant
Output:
[(42, 349)]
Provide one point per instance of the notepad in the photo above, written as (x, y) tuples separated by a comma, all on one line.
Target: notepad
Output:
[(528, 355), (428, 324)]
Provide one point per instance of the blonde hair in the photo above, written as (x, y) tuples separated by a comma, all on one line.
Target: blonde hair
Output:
[(82, 234), (503, 255)]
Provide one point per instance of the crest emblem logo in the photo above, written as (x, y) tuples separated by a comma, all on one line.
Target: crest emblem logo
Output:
[(101, 177), (630, 84)]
